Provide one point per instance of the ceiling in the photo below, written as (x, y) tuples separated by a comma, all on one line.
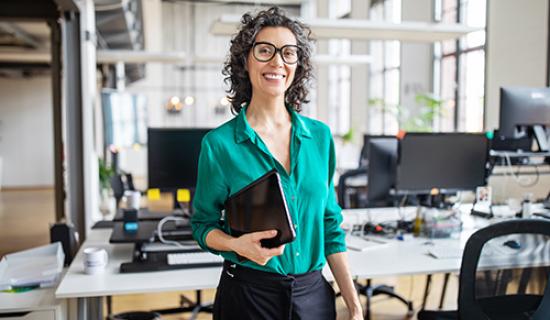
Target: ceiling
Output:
[(119, 26)]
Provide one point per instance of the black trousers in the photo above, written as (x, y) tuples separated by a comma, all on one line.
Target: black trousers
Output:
[(244, 293)]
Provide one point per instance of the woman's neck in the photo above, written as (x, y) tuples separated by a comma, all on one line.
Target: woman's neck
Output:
[(266, 114)]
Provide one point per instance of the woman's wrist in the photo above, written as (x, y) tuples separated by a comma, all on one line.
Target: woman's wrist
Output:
[(353, 304), (233, 244)]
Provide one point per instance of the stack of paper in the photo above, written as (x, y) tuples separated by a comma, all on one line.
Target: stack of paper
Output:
[(364, 243), (39, 266)]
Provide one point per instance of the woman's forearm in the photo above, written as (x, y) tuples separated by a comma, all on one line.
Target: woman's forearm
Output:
[(220, 241), (338, 263)]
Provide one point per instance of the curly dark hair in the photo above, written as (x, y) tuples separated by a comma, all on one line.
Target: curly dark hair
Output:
[(234, 68)]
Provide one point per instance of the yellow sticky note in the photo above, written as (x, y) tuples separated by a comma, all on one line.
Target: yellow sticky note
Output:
[(153, 194), (184, 195)]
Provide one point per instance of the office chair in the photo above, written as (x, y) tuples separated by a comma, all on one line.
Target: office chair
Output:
[(495, 281), (120, 183), (343, 187)]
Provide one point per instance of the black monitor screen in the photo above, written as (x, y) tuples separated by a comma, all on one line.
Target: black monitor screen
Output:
[(364, 158), (446, 161), (173, 156), (523, 107), (381, 171)]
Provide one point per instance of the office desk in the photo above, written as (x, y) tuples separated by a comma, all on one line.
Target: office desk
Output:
[(34, 304), (372, 263), (89, 289)]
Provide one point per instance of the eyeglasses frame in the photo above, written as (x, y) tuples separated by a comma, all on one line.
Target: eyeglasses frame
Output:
[(277, 50)]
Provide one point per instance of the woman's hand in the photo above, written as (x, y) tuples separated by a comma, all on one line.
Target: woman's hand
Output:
[(356, 315), (338, 263), (249, 246)]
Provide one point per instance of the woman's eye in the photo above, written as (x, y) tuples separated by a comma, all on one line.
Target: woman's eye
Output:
[(265, 50)]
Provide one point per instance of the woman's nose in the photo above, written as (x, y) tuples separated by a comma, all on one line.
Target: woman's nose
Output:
[(277, 59)]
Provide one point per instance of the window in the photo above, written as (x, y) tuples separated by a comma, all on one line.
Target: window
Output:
[(384, 73), (339, 76), (459, 67)]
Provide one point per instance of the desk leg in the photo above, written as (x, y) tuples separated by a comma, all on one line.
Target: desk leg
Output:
[(90, 308), (426, 291), (444, 290)]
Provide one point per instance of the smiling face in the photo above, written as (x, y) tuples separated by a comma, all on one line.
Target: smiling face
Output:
[(271, 79)]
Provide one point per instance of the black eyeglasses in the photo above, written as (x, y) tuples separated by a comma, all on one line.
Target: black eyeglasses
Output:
[(265, 51)]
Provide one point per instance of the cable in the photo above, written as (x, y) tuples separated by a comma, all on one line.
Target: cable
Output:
[(516, 176), (159, 230)]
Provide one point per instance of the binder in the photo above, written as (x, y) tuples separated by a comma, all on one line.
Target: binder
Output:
[(261, 206)]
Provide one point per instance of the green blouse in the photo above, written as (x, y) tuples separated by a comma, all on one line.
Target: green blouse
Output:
[(233, 155)]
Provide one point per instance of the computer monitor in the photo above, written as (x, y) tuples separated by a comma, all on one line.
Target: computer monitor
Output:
[(525, 111), (446, 161), (173, 156), (381, 171), (364, 157)]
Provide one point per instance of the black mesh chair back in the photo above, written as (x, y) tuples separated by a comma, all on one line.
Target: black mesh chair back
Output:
[(129, 182), (118, 187), (505, 271), (121, 183)]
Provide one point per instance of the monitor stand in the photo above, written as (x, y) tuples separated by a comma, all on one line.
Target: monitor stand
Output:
[(542, 138), (438, 201)]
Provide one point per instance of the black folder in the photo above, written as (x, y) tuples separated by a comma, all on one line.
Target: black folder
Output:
[(261, 206)]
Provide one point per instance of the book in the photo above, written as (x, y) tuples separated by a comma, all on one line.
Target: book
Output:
[(261, 206)]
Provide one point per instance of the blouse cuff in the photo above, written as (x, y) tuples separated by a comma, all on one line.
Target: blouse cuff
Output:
[(202, 242), (335, 248)]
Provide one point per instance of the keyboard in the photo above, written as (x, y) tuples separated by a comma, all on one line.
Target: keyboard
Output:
[(172, 261), (192, 258)]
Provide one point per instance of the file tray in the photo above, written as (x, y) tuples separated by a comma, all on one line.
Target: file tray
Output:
[(261, 206), (39, 266)]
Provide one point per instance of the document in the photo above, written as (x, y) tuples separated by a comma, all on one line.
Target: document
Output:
[(39, 266)]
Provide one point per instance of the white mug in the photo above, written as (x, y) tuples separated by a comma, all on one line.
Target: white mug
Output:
[(95, 260), (133, 199)]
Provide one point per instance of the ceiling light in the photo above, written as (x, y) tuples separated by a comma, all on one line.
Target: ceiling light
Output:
[(363, 29), (174, 105), (189, 100)]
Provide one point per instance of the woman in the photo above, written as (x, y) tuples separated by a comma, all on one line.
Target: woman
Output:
[(269, 68)]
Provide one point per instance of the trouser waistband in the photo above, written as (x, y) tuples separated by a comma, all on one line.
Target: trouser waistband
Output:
[(247, 274)]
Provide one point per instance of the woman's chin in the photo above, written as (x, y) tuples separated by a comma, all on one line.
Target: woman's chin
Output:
[(274, 92)]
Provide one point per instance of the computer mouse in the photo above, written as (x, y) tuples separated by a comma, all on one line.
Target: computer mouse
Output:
[(512, 244)]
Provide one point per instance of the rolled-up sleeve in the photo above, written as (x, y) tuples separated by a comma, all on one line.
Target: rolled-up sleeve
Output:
[(210, 194), (334, 235)]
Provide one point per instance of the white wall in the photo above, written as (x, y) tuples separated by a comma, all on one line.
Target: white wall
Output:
[(359, 78), (26, 132), (517, 51), (517, 36), (416, 58)]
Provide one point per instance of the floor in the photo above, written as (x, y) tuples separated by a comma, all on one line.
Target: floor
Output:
[(25, 217)]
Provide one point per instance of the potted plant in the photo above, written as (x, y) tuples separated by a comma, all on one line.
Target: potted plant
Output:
[(107, 203), (430, 107)]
